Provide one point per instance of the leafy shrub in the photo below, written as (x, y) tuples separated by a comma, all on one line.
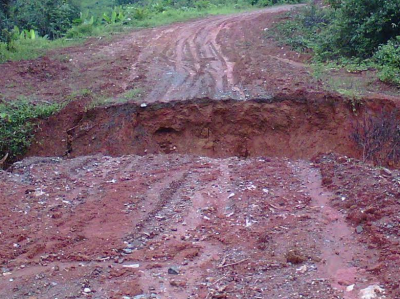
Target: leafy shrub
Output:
[(80, 31), (17, 124), (303, 31), (117, 15), (139, 13), (388, 59), (49, 17), (202, 4)]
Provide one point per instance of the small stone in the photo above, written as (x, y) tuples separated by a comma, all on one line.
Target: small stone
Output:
[(127, 250), (295, 257), (359, 229), (133, 266), (303, 269), (177, 283), (371, 292), (143, 105), (87, 290), (350, 288), (386, 172), (173, 271)]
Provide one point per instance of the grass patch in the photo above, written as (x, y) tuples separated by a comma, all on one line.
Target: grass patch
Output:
[(24, 49), (131, 95), (18, 121)]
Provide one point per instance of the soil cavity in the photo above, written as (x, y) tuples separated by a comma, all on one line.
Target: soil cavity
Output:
[(296, 128)]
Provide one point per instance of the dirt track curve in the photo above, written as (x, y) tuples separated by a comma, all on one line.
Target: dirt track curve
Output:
[(216, 57), (190, 62), (232, 175)]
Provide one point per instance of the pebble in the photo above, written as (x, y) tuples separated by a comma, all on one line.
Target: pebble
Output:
[(87, 290), (133, 266), (371, 292), (359, 229), (173, 271), (350, 288)]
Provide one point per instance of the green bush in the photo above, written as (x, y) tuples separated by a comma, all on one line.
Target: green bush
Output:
[(17, 124), (80, 31), (388, 59), (362, 25), (50, 18), (303, 31)]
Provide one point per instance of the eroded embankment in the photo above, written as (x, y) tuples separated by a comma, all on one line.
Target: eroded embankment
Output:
[(300, 126)]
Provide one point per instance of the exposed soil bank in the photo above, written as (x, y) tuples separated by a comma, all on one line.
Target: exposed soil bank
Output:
[(295, 126)]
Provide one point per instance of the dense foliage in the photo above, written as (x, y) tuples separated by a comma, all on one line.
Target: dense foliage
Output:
[(355, 31), (53, 18), (360, 26), (50, 18), (17, 124)]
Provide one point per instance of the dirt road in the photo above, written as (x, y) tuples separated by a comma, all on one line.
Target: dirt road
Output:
[(203, 197), (216, 57), (189, 227), (192, 60)]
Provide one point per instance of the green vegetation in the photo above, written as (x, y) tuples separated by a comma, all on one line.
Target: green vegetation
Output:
[(128, 96), (29, 28), (18, 120), (358, 34)]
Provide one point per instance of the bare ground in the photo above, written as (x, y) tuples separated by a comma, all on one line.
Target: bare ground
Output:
[(197, 193)]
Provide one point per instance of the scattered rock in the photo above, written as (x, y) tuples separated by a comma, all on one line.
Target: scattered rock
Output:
[(303, 269), (372, 292), (359, 229), (178, 283), (350, 288), (295, 257), (132, 266), (173, 271), (386, 172)]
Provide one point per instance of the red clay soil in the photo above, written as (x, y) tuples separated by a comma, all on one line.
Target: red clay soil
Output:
[(219, 183), (300, 125), (176, 226), (216, 57)]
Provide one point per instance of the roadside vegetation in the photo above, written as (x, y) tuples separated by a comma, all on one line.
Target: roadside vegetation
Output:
[(355, 34), (29, 28), (18, 120)]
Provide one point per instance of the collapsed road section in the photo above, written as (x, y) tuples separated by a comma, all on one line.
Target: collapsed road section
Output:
[(293, 126)]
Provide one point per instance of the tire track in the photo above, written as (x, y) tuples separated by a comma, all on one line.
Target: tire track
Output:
[(185, 60)]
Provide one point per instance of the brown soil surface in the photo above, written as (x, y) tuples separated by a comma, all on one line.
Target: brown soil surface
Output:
[(233, 175), (231, 228), (217, 57)]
